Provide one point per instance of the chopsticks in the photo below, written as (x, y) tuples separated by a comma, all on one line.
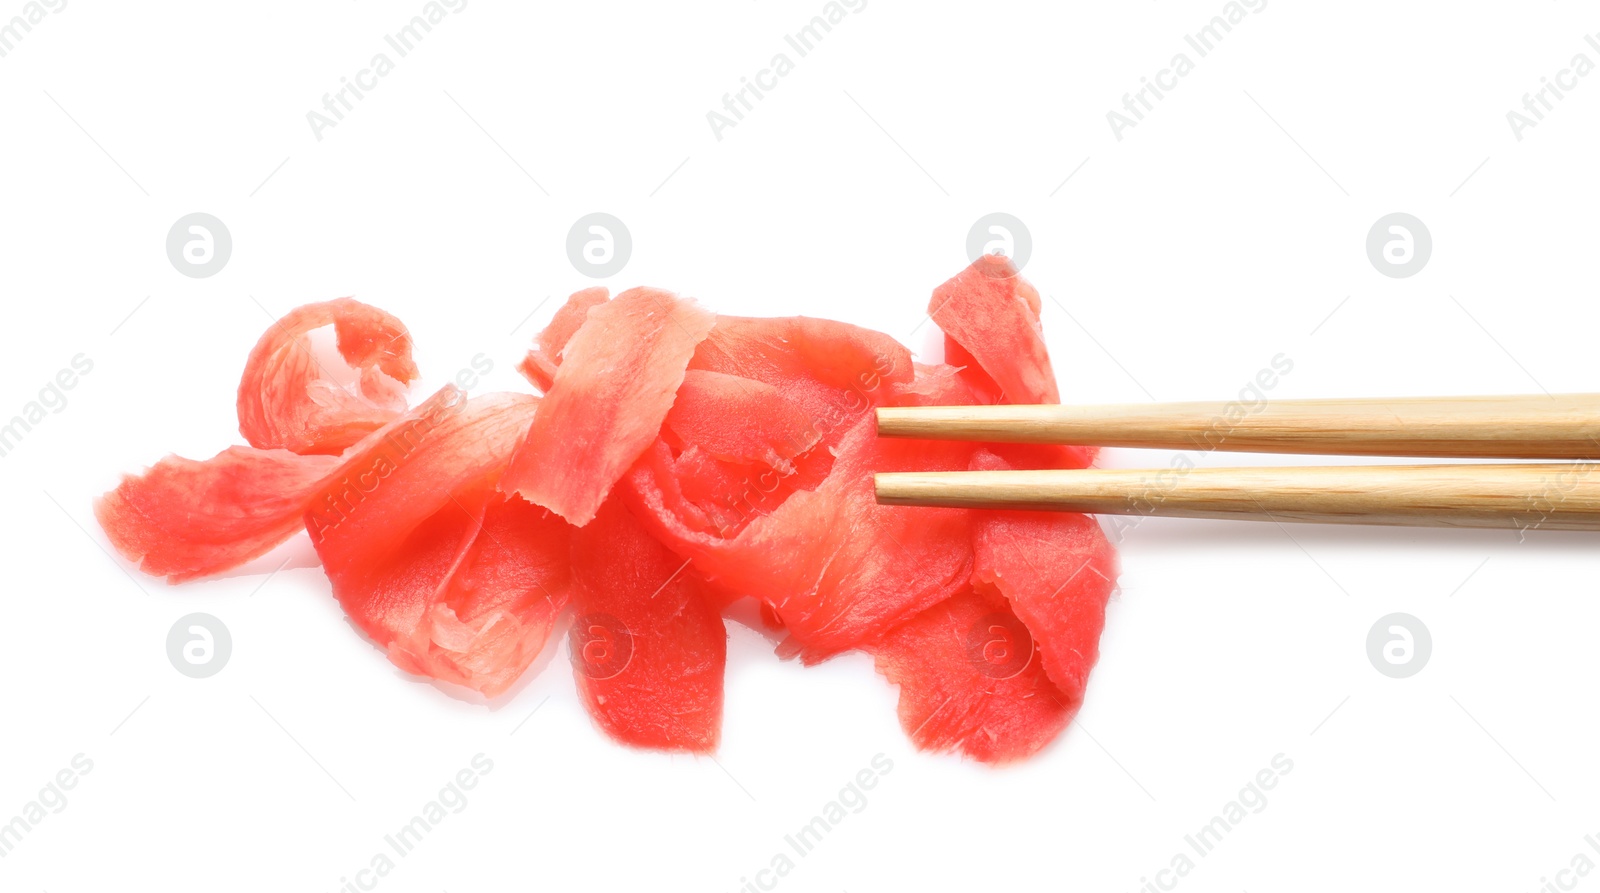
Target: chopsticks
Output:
[(1531, 427), (1558, 495), (1521, 496)]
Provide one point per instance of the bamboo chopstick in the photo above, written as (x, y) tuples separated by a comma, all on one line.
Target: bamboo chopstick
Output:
[(1530, 427), (1558, 496)]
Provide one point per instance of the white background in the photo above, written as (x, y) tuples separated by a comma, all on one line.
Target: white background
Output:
[(1225, 229)]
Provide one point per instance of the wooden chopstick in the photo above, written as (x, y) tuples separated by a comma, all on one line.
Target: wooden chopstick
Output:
[(1554, 496), (1530, 427)]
